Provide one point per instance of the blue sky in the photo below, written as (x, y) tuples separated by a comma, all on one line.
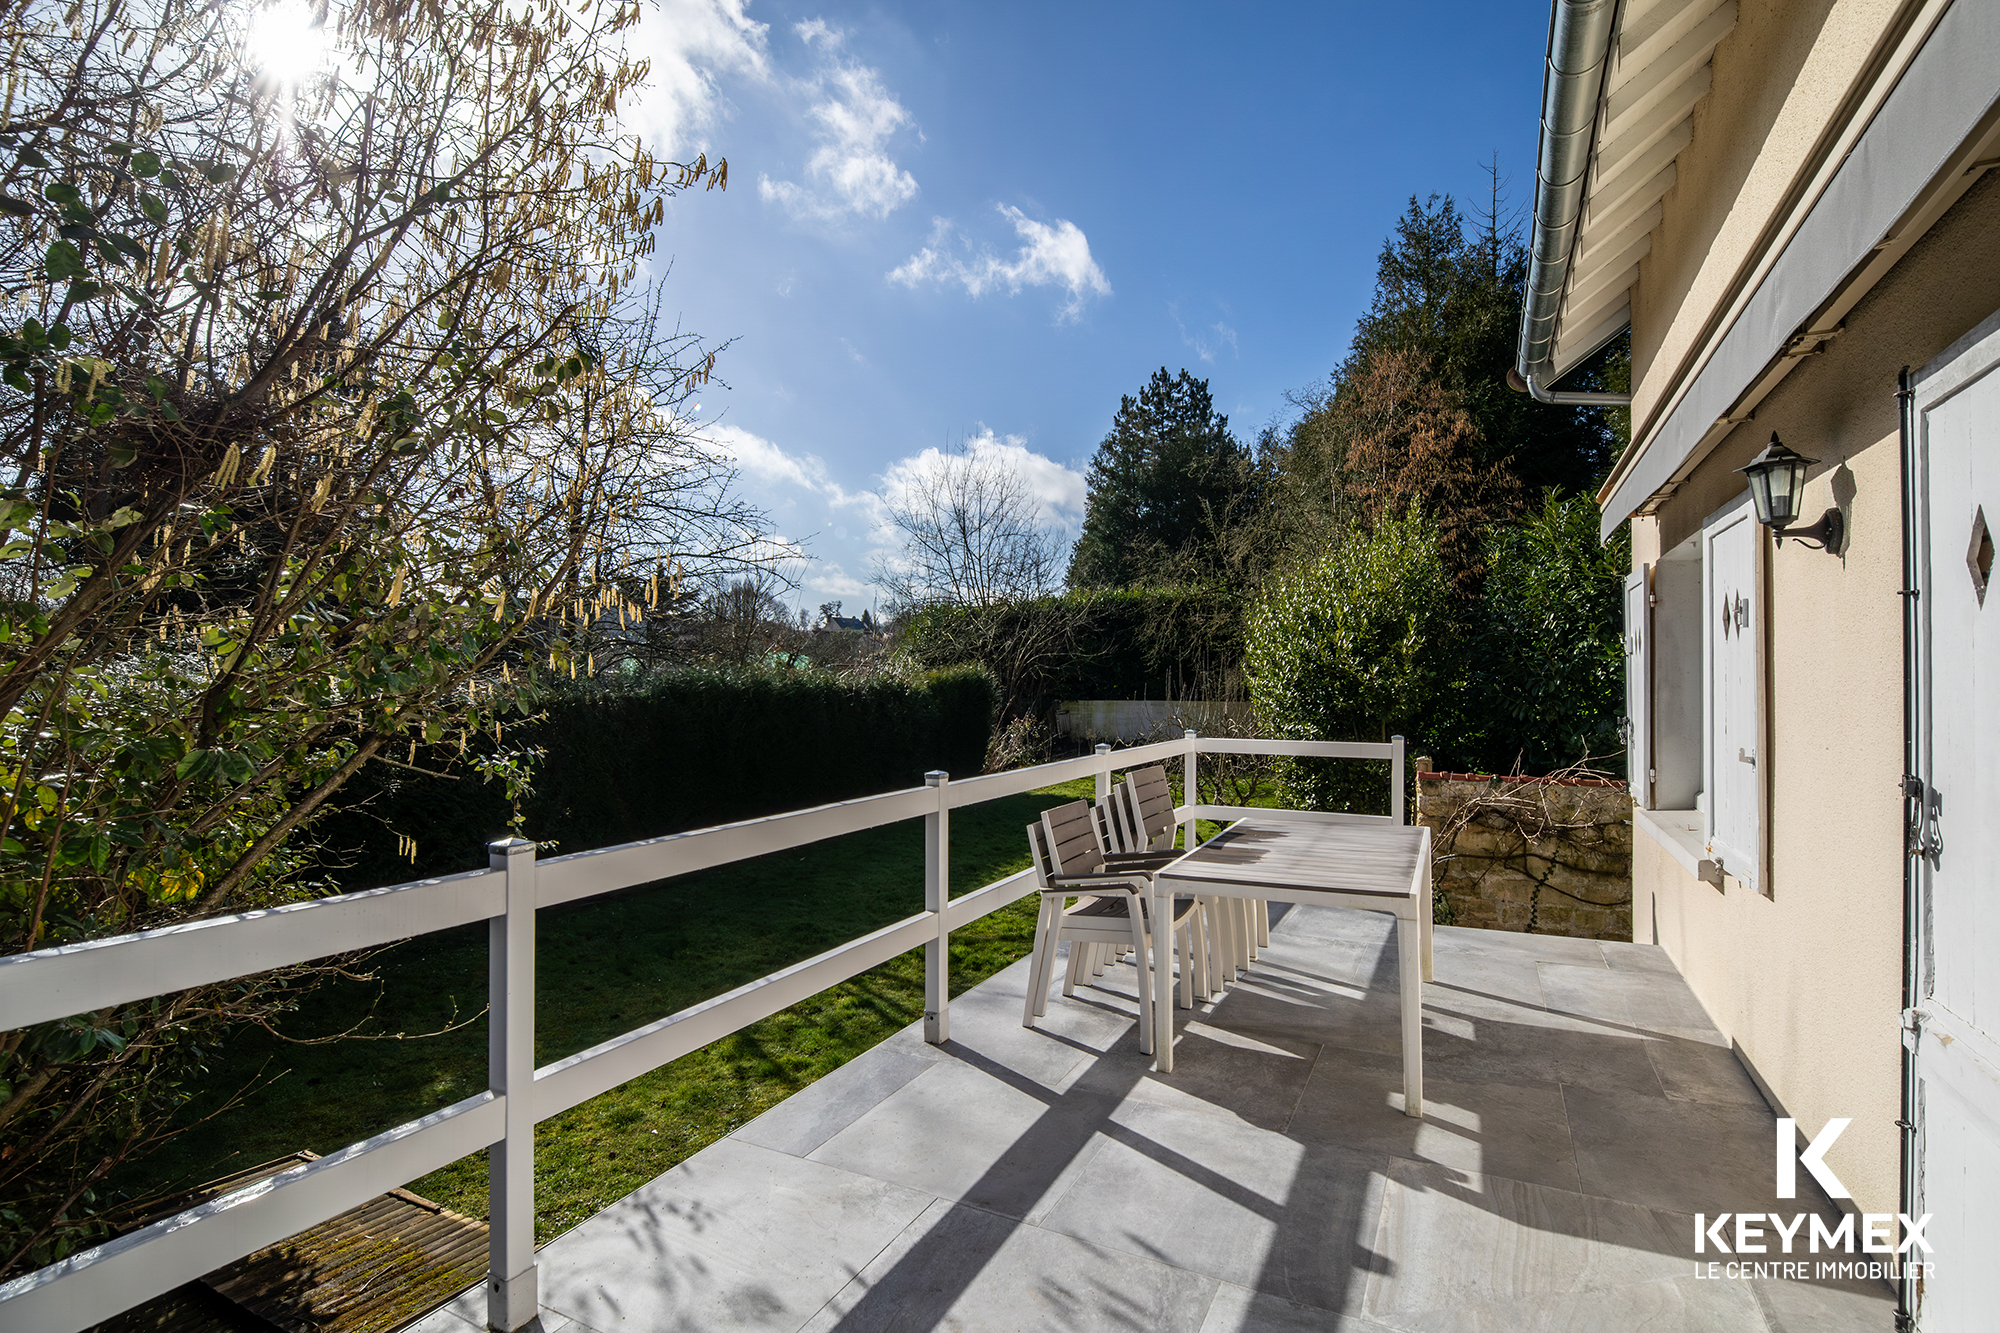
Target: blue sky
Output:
[(952, 224)]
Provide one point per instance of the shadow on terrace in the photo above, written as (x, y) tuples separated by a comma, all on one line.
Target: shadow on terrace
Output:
[(1580, 1110)]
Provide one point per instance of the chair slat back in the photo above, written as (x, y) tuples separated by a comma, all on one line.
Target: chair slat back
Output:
[(1110, 824), (1071, 831), (1114, 822), (1149, 808), (1038, 853)]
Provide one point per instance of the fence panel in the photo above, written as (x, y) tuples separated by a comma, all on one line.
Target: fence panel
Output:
[(567, 1083), (95, 1284), (565, 879), (80, 978)]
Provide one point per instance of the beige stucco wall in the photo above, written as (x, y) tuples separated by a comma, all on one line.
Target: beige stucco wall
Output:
[(1807, 981), (1779, 79)]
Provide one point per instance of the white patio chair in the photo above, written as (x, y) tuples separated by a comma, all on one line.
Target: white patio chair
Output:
[(1124, 852), (1125, 849), (1112, 914), (1233, 933)]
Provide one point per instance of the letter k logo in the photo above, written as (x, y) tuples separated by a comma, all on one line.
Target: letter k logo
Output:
[(1789, 1156)]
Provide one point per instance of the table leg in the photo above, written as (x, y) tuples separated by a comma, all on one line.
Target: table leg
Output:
[(1409, 969), (1427, 907), (1162, 978), (1425, 919)]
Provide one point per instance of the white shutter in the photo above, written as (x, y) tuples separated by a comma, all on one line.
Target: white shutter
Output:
[(1730, 637), (1639, 685)]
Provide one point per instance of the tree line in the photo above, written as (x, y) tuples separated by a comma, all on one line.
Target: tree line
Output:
[(1415, 550)]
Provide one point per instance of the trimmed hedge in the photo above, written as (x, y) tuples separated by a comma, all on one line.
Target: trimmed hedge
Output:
[(624, 760), (1134, 644)]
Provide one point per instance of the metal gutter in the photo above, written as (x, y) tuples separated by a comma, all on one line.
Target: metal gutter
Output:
[(1572, 84)]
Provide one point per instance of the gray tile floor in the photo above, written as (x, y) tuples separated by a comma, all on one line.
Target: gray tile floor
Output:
[(1580, 1109)]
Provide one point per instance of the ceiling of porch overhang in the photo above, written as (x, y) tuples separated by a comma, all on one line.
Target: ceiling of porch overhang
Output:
[(1659, 69)]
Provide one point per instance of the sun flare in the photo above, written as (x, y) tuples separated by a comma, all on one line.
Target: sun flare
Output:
[(288, 42)]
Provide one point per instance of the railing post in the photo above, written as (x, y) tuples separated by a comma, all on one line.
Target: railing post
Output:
[(511, 1297), (1191, 788), (1103, 770), (1396, 778), (937, 897)]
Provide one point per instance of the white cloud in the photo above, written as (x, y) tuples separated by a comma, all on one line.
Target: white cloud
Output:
[(1051, 255), (687, 45), (1200, 342), (851, 172), (1058, 491), (771, 463), (764, 460), (829, 578)]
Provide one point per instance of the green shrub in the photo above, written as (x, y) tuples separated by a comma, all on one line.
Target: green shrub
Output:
[(1361, 644), (624, 759), (1545, 684), (1369, 642)]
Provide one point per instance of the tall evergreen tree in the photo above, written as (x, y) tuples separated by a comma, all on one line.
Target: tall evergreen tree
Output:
[(1170, 488), (1444, 320)]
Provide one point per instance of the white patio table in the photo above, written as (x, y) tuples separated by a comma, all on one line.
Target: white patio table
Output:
[(1318, 860)]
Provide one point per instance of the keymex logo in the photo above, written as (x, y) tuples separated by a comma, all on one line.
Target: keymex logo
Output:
[(1758, 1233), (1812, 1159)]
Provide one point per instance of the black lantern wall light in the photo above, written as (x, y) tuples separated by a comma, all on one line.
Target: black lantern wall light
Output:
[(1777, 481)]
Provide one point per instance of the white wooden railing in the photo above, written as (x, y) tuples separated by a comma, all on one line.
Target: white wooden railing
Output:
[(95, 1284)]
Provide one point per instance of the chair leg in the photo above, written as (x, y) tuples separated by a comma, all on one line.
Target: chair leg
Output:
[(1049, 967), (1219, 975), (1035, 965), (1200, 923), (1048, 931), (1185, 937), (1079, 961), (1263, 923), (1218, 944), (1232, 922)]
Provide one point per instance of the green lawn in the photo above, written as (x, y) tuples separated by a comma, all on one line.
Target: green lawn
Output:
[(604, 968)]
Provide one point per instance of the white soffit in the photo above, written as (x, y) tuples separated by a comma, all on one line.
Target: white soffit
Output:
[(1658, 71)]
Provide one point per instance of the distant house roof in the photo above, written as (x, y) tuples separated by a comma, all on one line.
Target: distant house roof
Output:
[(846, 622)]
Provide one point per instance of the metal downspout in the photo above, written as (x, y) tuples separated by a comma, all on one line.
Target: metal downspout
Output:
[(1563, 397), (1579, 47), (1914, 797)]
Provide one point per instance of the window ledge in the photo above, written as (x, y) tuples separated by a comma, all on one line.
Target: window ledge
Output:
[(1679, 832)]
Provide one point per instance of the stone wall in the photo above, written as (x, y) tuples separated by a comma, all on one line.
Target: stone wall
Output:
[(1550, 856)]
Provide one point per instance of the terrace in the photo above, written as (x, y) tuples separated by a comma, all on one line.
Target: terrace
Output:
[(1580, 1109)]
